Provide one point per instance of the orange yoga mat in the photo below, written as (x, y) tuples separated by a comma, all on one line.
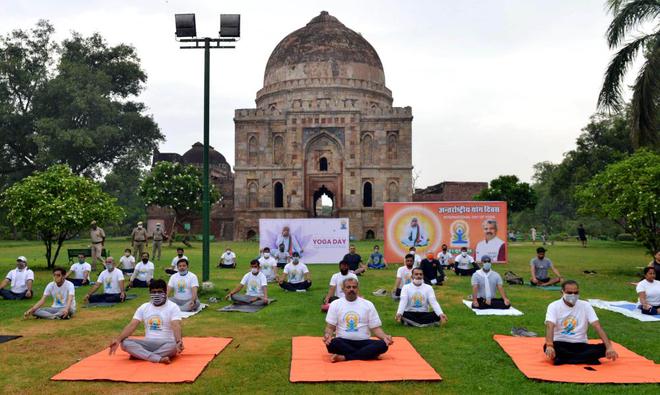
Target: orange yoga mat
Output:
[(629, 368), (310, 362), (185, 367)]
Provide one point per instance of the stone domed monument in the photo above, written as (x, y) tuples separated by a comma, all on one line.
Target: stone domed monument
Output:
[(323, 125)]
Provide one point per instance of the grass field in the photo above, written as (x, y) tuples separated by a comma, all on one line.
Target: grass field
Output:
[(258, 359)]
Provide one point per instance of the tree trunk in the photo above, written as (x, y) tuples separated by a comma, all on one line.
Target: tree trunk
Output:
[(60, 241), (49, 246), (172, 230)]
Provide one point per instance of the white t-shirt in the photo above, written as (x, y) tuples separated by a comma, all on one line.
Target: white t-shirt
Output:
[(417, 261), (444, 258), (418, 298), (571, 323), (489, 248), (175, 260), (354, 320), (79, 270), (296, 273), (254, 284), (144, 271), (157, 320), (127, 262), (19, 279), (268, 267), (463, 262), (110, 281), (183, 285), (337, 280), (61, 294), (405, 275), (652, 291), (228, 258)]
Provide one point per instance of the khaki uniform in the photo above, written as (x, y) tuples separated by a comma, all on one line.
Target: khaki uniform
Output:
[(139, 241), (98, 236), (158, 237)]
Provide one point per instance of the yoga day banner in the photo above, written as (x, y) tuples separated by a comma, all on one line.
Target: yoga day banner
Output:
[(479, 226), (317, 240)]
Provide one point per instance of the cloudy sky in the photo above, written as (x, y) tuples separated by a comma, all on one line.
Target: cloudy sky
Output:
[(495, 86)]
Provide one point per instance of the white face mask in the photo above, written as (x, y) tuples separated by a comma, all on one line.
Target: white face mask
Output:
[(418, 282), (571, 298), (463, 254), (266, 255), (487, 266), (254, 270)]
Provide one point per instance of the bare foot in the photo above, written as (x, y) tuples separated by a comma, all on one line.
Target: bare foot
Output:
[(165, 360), (337, 358)]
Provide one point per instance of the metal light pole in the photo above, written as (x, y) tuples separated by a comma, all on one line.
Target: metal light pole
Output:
[(185, 27)]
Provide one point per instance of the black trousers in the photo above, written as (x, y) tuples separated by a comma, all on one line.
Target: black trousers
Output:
[(357, 349), (465, 272), (577, 353), (653, 310), (170, 271), (78, 281), (140, 284), (421, 317), (105, 298), (294, 287), (223, 266), (9, 295), (495, 303)]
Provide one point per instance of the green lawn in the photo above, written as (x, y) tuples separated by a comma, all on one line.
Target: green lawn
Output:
[(258, 359)]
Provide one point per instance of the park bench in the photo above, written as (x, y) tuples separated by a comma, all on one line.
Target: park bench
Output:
[(74, 252)]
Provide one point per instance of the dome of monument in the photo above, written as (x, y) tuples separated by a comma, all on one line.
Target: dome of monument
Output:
[(195, 155)]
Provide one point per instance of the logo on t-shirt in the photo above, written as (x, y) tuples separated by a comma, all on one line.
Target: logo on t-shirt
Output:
[(417, 300), (568, 325), (294, 274), (352, 319), (181, 286), (155, 323), (253, 286), (59, 298), (107, 283), (407, 278)]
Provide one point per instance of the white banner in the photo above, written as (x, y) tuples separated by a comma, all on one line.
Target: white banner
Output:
[(317, 240)]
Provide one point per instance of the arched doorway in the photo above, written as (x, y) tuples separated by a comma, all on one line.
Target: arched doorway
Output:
[(323, 202)]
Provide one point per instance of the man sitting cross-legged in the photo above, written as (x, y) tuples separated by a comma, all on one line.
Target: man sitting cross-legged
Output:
[(485, 283), (79, 272), (335, 290), (64, 301), (539, 267), (256, 292), (143, 273), (416, 298), (403, 275), (162, 328), (352, 320), (297, 275), (464, 264), (182, 287), (113, 285), (566, 323), (20, 281)]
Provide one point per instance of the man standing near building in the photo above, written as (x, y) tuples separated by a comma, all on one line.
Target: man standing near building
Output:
[(139, 239), (98, 241), (157, 237)]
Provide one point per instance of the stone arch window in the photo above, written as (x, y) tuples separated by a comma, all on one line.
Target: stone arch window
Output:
[(253, 150), (251, 234), (392, 192), (367, 148), (278, 150), (252, 195), (370, 235), (392, 146), (278, 195), (323, 164), (367, 195)]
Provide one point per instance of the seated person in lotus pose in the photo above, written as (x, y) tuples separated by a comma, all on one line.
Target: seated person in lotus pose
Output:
[(485, 284), (416, 298), (445, 257), (350, 322), (566, 323), (282, 257), (182, 287), (539, 268), (127, 262), (162, 328), (433, 272), (79, 272), (143, 273), (464, 264), (268, 265), (376, 260), (227, 260), (173, 268), (256, 292), (403, 275), (20, 281), (113, 285), (354, 261), (335, 290), (64, 299), (649, 292), (297, 275)]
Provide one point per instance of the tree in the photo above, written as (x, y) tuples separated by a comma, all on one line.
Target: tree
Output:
[(518, 195), (56, 205), (70, 103), (122, 183), (631, 16), (178, 187), (627, 192)]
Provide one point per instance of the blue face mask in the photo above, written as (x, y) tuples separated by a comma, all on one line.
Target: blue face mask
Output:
[(487, 266), (183, 272)]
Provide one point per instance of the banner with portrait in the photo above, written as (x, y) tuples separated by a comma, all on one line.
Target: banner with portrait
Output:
[(481, 227), (316, 240)]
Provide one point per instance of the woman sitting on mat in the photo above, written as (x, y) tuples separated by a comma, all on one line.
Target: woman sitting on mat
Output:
[(649, 292)]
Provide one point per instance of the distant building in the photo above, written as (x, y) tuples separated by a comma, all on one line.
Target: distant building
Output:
[(449, 191)]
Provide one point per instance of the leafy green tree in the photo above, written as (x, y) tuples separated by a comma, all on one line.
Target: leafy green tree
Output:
[(627, 192), (630, 16), (518, 195), (70, 103), (123, 183), (57, 205), (178, 187)]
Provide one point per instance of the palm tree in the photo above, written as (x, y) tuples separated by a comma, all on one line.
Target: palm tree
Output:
[(629, 16)]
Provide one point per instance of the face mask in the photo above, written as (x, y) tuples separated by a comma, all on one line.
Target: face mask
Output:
[(418, 282), (296, 260), (139, 226), (81, 260), (20, 265), (145, 260), (375, 251), (127, 254), (180, 255), (183, 272), (254, 270), (570, 298), (444, 250), (158, 298), (109, 267), (343, 272), (266, 255), (463, 254), (487, 266)]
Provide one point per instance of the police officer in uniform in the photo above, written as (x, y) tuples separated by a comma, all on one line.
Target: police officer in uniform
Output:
[(139, 239), (158, 237), (98, 241)]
